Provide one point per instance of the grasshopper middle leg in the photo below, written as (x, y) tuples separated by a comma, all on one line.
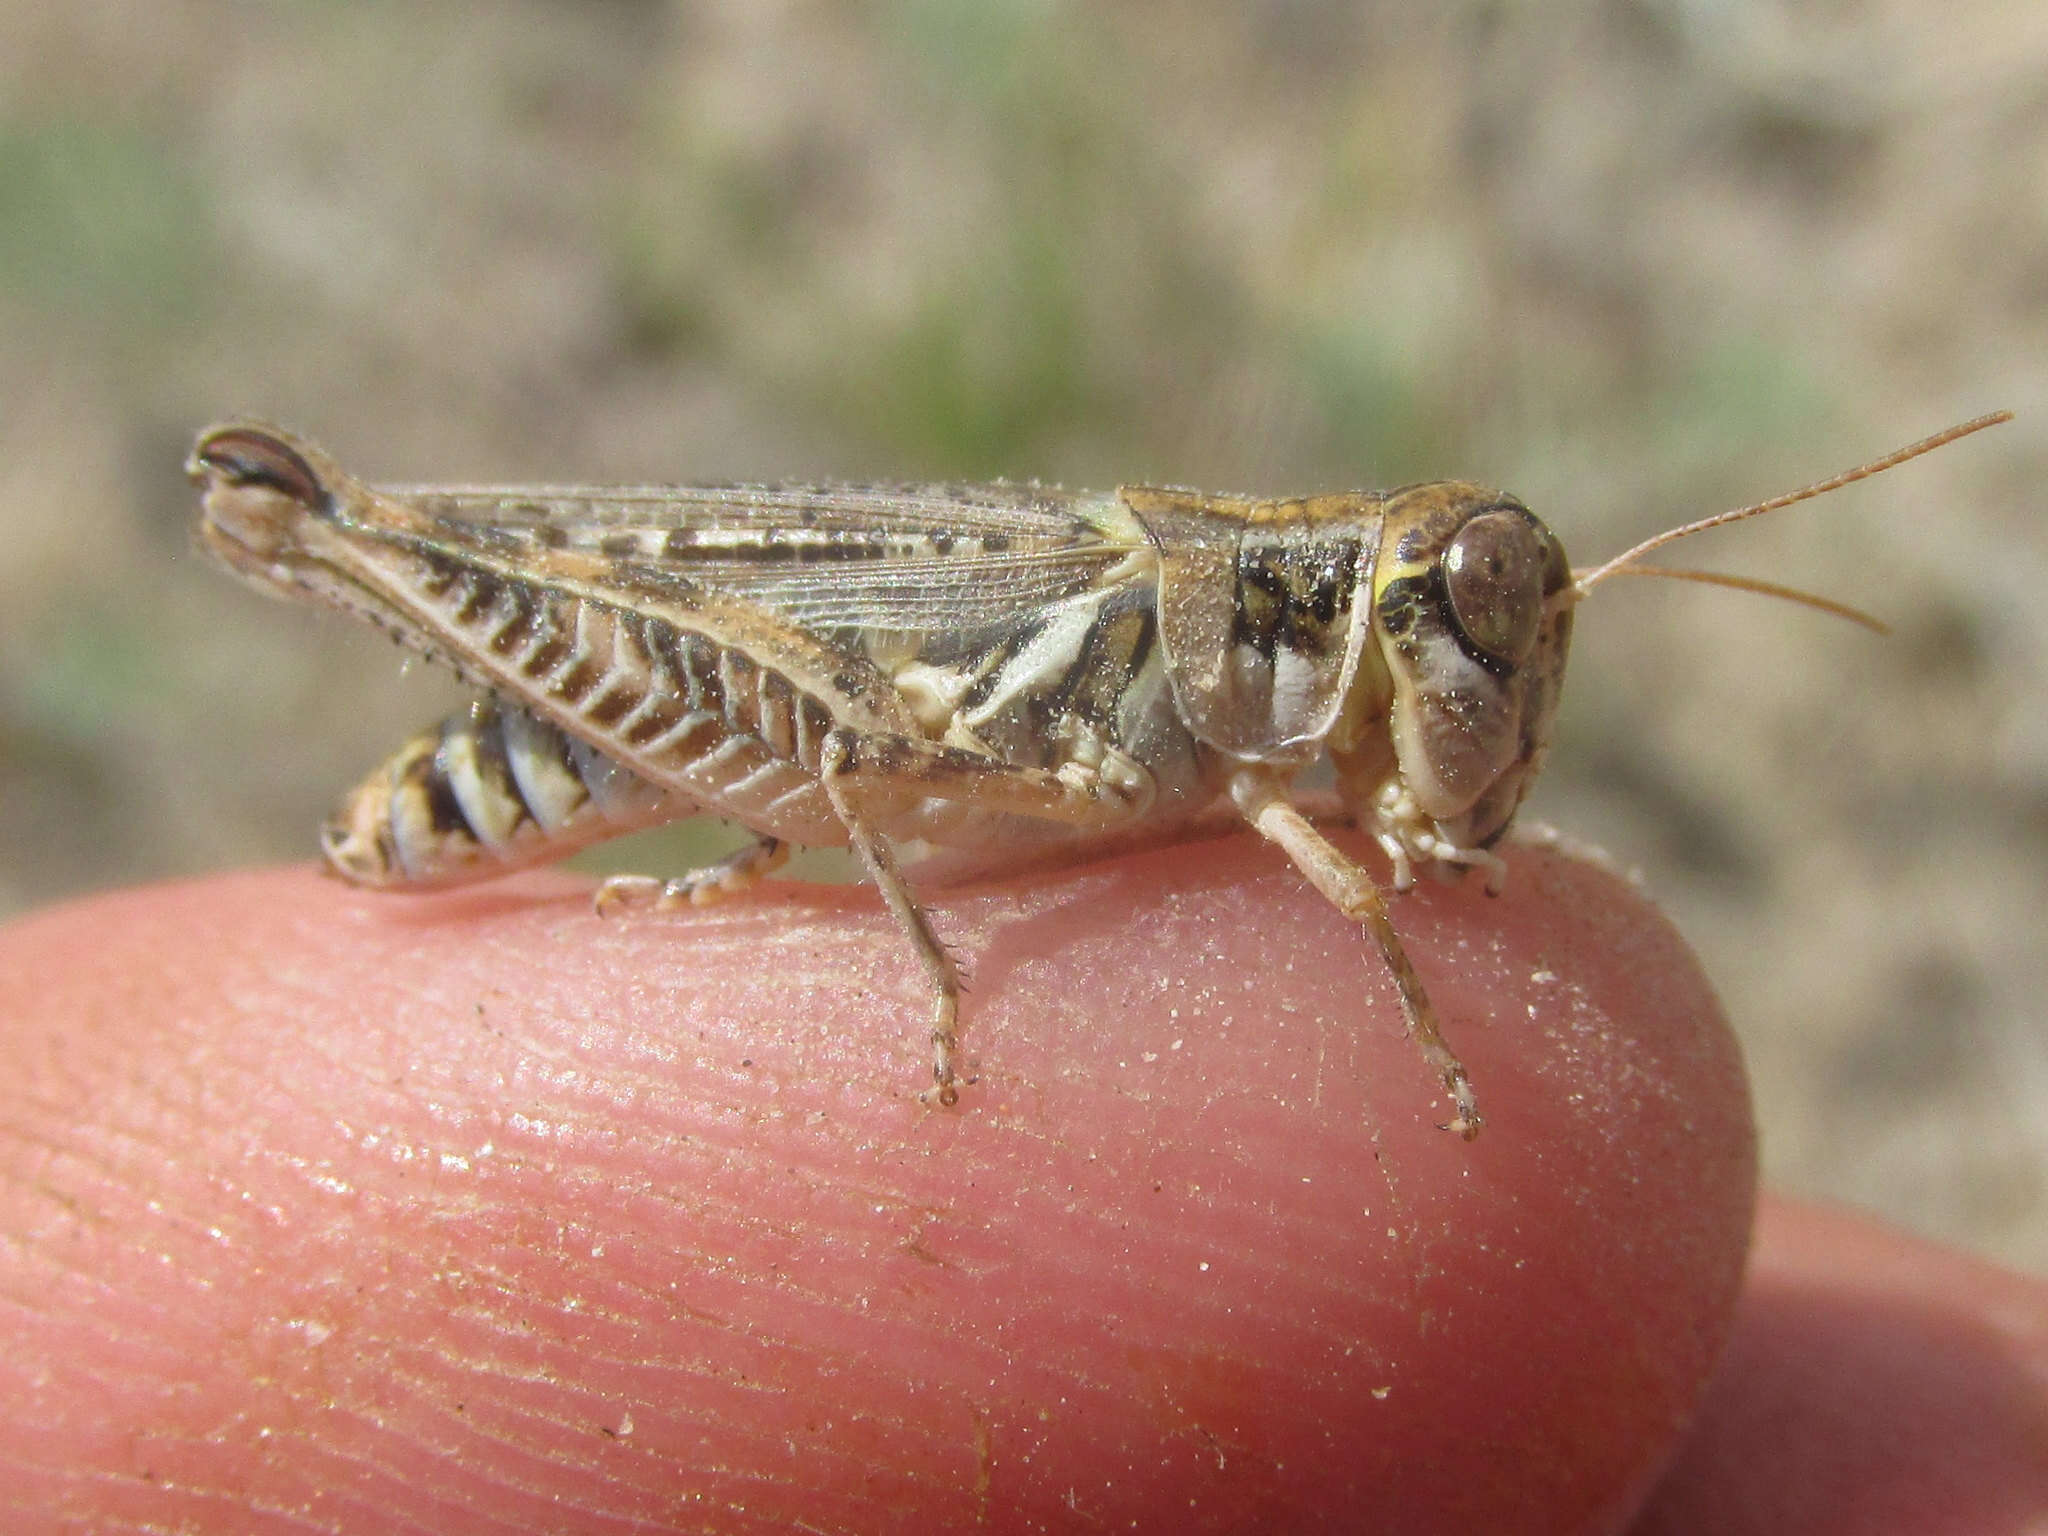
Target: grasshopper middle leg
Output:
[(869, 777)]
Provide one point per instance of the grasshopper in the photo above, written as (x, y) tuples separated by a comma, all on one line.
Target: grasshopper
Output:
[(982, 666)]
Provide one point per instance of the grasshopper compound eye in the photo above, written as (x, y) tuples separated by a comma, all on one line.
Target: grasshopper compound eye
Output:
[(1494, 573)]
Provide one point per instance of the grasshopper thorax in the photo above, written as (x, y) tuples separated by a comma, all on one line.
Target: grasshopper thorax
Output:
[(1410, 635)]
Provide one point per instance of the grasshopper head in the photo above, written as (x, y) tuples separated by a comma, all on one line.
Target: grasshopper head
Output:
[(1473, 646), (1471, 617)]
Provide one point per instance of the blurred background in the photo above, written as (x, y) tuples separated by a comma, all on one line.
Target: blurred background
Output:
[(1636, 260)]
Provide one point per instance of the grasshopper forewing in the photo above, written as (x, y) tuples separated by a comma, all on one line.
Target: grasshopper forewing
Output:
[(978, 666)]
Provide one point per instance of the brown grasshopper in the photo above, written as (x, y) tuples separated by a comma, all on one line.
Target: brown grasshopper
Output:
[(979, 666)]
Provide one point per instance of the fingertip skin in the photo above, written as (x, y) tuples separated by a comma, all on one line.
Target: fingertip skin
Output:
[(478, 1212), (1874, 1382)]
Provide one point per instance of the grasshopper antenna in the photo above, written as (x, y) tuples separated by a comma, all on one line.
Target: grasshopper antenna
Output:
[(1629, 561), (1762, 588)]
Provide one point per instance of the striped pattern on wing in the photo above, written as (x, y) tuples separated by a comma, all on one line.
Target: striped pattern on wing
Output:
[(893, 557)]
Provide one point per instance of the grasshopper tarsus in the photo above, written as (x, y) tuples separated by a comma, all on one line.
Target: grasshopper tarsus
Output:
[(1466, 1122), (737, 872)]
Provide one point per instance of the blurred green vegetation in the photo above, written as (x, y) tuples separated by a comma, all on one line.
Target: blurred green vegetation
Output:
[(98, 217)]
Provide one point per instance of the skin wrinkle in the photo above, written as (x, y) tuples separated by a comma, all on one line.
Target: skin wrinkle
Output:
[(542, 1477), (444, 1466), (586, 1311)]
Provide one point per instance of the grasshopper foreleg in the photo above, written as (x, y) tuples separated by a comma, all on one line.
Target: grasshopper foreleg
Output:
[(1352, 891)]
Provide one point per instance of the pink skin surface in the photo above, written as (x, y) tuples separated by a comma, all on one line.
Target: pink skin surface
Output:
[(476, 1212), (1874, 1384)]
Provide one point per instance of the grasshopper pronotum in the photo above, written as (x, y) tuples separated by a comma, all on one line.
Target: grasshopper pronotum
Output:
[(970, 665)]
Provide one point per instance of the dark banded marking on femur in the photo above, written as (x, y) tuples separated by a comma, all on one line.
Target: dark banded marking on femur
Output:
[(480, 590), (645, 662), (654, 722), (571, 682), (614, 704), (668, 691), (813, 723), (698, 665), (738, 683), (637, 680), (685, 697), (588, 657), (664, 697), (513, 629), (621, 666), (554, 636), (437, 573), (678, 744), (775, 711)]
